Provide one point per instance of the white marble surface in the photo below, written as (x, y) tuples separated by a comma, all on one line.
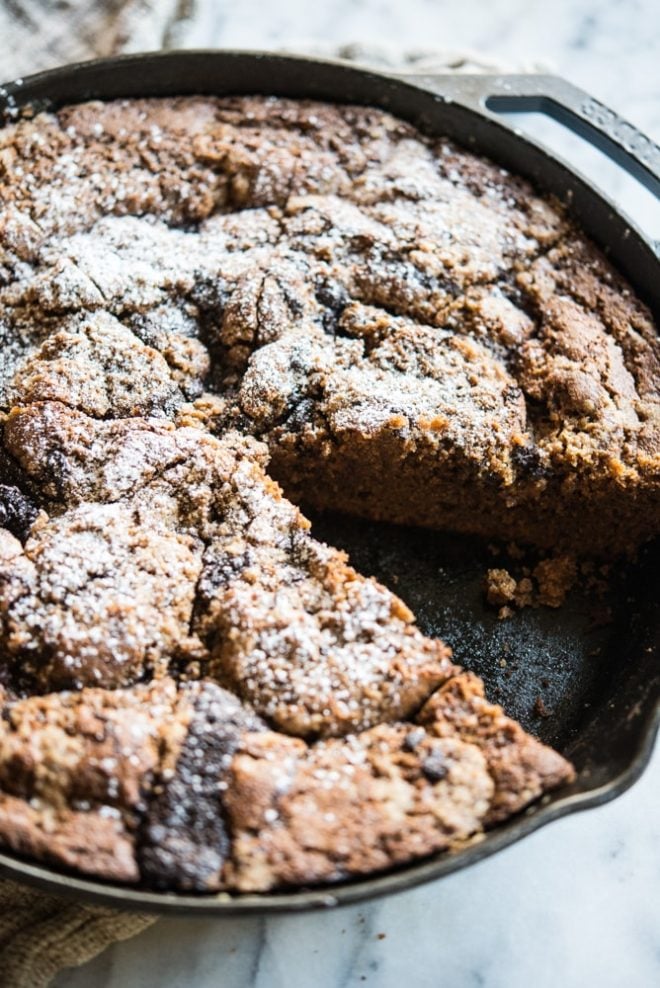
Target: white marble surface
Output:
[(577, 904)]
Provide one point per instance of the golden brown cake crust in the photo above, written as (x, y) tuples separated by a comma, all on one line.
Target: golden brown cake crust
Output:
[(201, 299)]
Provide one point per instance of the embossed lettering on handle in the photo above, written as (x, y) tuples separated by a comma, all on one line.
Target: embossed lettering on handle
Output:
[(579, 112), (633, 140)]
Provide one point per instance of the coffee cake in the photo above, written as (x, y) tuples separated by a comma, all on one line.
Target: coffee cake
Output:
[(213, 311)]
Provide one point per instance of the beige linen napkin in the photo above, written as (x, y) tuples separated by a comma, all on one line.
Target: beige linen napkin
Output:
[(40, 934)]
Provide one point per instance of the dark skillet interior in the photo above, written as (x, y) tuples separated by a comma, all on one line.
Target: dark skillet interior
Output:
[(593, 664), (584, 661)]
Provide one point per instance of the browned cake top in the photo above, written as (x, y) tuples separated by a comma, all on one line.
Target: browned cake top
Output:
[(197, 693), (394, 282)]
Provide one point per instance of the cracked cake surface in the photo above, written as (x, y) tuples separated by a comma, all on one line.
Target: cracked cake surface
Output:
[(212, 311)]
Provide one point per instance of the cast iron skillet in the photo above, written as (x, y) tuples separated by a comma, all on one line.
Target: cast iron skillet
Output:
[(594, 666)]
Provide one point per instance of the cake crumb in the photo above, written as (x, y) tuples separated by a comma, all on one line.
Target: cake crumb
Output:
[(500, 586), (541, 710), (546, 584), (555, 578)]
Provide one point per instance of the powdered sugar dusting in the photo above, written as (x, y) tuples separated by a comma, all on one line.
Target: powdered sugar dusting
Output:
[(175, 277)]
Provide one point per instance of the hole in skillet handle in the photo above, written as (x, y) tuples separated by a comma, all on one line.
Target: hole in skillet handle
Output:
[(591, 120), (598, 143)]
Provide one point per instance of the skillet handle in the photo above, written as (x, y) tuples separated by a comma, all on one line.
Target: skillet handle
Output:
[(565, 103)]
